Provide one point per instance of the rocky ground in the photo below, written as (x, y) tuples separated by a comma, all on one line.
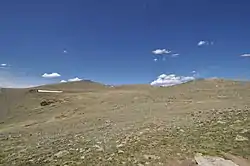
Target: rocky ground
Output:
[(171, 126)]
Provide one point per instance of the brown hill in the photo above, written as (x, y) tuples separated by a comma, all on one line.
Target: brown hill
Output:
[(74, 86), (135, 124), (16, 102)]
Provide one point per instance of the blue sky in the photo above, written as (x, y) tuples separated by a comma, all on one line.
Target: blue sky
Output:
[(114, 42)]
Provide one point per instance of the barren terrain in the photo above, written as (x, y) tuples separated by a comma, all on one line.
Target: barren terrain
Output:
[(93, 124)]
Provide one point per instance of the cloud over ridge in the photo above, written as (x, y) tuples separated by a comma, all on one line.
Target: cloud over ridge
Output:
[(170, 80)]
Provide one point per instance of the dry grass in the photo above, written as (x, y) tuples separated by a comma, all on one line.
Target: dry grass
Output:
[(127, 125)]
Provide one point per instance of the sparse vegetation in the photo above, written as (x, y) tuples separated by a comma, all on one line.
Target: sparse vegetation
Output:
[(127, 125)]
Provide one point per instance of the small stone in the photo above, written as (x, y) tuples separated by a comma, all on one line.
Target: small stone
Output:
[(151, 157), (120, 151), (110, 158), (140, 164), (244, 131), (107, 121), (181, 130), (221, 122), (119, 146), (83, 157), (241, 138), (98, 148), (87, 150), (237, 121), (147, 129), (61, 153), (208, 160)]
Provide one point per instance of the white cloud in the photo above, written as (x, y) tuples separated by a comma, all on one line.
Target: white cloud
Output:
[(74, 79), (161, 51), (51, 75), (5, 66), (245, 55), (195, 74), (175, 55), (71, 80), (62, 81), (203, 43), (170, 80), (155, 59)]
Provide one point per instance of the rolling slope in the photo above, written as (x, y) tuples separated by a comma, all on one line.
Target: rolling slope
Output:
[(105, 125)]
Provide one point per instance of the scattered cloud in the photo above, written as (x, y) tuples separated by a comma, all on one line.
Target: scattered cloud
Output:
[(4, 66), (195, 74), (164, 57), (62, 81), (201, 43), (170, 80), (175, 55), (161, 51), (163, 54), (205, 43), (65, 51), (74, 79), (245, 55), (51, 75), (71, 80)]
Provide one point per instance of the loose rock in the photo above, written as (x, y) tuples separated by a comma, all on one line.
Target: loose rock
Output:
[(151, 157), (98, 148), (241, 138), (244, 131), (212, 161), (61, 153), (120, 151)]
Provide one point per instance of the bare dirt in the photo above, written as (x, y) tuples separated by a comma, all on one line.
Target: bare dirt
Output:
[(93, 124)]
